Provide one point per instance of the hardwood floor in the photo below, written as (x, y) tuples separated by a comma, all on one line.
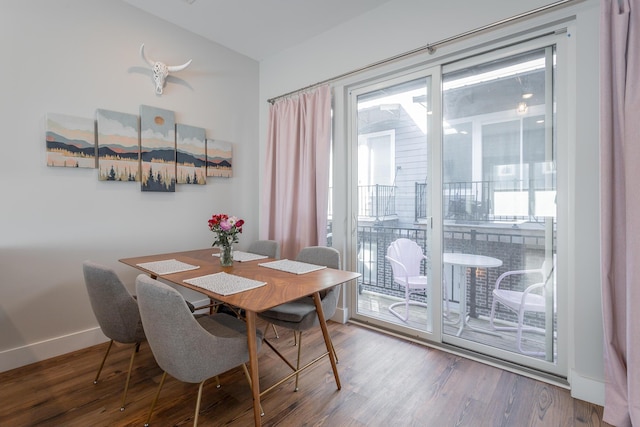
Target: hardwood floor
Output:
[(386, 381)]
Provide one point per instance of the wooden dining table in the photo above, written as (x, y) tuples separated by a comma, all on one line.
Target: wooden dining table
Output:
[(281, 287)]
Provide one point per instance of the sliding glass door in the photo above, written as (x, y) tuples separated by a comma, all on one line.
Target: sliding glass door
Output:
[(390, 129), (461, 161), (499, 198)]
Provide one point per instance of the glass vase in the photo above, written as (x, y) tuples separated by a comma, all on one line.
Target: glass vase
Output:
[(226, 256)]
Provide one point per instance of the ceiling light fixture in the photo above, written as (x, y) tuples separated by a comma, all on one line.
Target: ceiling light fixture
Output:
[(522, 108)]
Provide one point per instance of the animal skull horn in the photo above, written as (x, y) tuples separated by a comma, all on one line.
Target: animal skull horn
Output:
[(161, 70)]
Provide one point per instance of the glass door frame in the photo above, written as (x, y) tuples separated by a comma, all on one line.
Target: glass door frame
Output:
[(434, 311), (559, 367), (345, 213)]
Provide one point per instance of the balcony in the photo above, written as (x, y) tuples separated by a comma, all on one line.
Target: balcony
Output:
[(474, 201), (479, 218), (515, 247), (505, 201)]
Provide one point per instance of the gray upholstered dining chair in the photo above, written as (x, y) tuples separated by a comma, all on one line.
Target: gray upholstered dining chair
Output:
[(116, 311), (190, 349), (270, 248), (300, 315)]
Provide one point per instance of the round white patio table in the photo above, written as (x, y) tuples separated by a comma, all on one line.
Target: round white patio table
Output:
[(463, 261)]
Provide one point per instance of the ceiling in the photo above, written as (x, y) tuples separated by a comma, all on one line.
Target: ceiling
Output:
[(257, 28)]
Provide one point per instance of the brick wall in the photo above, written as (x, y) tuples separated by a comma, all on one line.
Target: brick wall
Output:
[(518, 247)]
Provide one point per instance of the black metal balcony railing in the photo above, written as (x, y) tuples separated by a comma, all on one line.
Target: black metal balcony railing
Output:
[(374, 201), (511, 247), (462, 201), (476, 200)]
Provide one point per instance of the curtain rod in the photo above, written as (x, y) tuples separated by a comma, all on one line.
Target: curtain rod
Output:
[(431, 48)]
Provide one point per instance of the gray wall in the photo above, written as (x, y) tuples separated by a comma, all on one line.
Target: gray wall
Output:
[(71, 57), (403, 25)]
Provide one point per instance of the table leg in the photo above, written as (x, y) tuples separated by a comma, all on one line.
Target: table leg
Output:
[(253, 365), (327, 337), (462, 283), (463, 305)]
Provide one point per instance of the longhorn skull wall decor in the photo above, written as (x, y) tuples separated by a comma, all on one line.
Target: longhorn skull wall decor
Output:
[(161, 70)]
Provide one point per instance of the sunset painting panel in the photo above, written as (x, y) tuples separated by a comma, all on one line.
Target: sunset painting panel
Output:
[(71, 141), (191, 155), (158, 149), (118, 146), (219, 154)]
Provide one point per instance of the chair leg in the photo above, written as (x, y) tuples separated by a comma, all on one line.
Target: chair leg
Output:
[(95, 381), (126, 383), (246, 374), (275, 331), (335, 355), (493, 313), (155, 399), (519, 329), (299, 351), (445, 292), (195, 417)]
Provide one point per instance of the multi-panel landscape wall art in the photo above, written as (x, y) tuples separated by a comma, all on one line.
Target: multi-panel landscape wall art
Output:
[(71, 141), (150, 148), (118, 146), (191, 155), (158, 149), (219, 158)]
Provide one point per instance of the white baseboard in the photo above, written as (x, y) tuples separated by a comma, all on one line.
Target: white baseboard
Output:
[(341, 315), (36, 352), (587, 389)]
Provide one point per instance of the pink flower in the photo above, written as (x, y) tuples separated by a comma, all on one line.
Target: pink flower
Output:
[(226, 228)]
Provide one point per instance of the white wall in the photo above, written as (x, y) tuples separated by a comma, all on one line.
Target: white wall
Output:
[(403, 25), (72, 57)]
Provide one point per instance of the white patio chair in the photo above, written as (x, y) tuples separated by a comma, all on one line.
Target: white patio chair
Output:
[(406, 259), (532, 299)]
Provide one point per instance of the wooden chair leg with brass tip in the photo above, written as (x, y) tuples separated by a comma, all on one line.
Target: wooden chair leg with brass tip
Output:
[(299, 352), (246, 373), (155, 399), (275, 331), (136, 348), (198, 400), (95, 381)]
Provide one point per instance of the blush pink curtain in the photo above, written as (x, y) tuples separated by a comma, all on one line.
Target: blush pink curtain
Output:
[(296, 181), (620, 208)]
